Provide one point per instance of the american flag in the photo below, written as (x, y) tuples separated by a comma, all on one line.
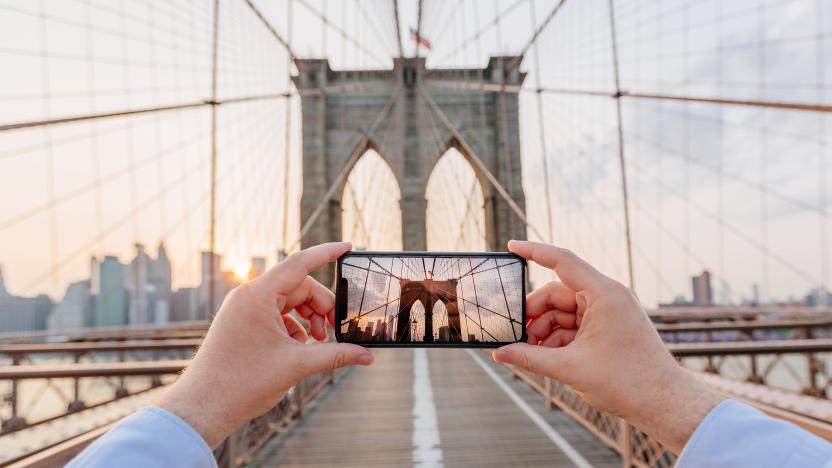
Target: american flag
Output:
[(415, 37)]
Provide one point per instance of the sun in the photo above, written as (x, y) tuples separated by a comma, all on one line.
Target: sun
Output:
[(241, 271)]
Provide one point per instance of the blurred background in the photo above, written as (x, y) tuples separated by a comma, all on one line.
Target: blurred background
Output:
[(151, 151)]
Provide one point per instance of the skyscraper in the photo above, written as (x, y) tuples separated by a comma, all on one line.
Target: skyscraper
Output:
[(703, 295), (205, 285), (159, 281), (139, 309), (22, 313), (74, 310), (3, 291), (110, 295)]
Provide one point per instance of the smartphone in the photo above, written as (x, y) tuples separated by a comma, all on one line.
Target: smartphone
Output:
[(430, 299)]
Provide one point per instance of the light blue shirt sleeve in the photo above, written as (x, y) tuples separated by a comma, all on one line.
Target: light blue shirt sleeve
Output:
[(150, 437), (737, 435)]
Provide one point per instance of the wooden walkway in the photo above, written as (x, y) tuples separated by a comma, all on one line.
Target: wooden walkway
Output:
[(466, 418)]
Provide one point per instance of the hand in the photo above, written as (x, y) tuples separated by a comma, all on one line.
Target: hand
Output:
[(591, 333), (254, 351)]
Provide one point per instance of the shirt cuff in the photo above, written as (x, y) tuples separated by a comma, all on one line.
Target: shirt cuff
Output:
[(735, 434), (151, 436)]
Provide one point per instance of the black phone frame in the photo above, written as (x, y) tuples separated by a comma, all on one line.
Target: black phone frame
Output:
[(341, 306)]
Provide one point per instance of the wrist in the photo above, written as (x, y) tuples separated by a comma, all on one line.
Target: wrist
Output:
[(200, 410), (677, 403)]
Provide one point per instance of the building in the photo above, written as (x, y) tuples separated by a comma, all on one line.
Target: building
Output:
[(703, 295), (818, 298), (224, 282), (258, 267), (444, 334), (22, 313), (160, 280), (149, 287), (139, 308), (107, 286), (75, 310), (184, 305)]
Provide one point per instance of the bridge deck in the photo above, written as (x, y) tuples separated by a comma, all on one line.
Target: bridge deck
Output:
[(465, 418)]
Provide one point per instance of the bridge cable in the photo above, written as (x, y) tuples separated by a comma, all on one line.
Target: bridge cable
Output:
[(516, 61), (357, 152), (620, 135), (271, 28), (542, 134), (287, 123), (480, 165), (346, 37), (398, 27)]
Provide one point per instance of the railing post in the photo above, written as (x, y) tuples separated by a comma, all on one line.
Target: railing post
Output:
[(231, 450), (625, 443), (76, 404), (15, 422), (547, 385), (299, 390), (754, 377), (812, 389), (121, 391)]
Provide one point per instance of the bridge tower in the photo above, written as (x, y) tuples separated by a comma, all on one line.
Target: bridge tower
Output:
[(339, 107)]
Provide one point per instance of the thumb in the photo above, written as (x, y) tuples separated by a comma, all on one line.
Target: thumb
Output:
[(324, 357), (548, 362)]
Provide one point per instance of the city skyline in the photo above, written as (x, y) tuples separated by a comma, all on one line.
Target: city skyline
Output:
[(137, 292)]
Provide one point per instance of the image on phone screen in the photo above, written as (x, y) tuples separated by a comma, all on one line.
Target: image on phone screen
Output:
[(424, 298)]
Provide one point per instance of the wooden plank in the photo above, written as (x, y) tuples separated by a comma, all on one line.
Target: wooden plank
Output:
[(368, 419)]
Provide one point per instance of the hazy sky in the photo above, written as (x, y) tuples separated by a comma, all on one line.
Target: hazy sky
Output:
[(738, 190)]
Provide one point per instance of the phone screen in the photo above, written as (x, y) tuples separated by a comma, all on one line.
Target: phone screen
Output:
[(430, 299)]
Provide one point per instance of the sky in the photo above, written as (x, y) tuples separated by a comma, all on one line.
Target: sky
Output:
[(738, 190)]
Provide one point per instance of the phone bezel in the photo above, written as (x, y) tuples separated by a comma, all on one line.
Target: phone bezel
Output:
[(340, 306)]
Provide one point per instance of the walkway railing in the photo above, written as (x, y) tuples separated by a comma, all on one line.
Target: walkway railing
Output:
[(240, 448), (638, 449)]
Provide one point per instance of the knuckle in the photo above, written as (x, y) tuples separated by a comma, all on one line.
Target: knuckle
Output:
[(339, 360), (527, 363)]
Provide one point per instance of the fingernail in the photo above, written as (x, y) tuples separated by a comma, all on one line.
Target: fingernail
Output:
[(498, 355), (365, 359)]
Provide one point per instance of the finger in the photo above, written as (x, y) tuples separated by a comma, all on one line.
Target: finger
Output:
[(290, 273), (304, 311), (550, 362), (571, 269), (317, 325), (295, 329), (323, 357), (559, 338), (312, 293), (553, 295), (541, 327), (331, 317)]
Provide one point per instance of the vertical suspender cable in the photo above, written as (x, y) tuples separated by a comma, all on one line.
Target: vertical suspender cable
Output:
[(621, 159), (542, 133), (287, 143), (398, 28), (212, 288)]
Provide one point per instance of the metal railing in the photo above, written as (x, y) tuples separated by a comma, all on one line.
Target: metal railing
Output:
[(638, 449)]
